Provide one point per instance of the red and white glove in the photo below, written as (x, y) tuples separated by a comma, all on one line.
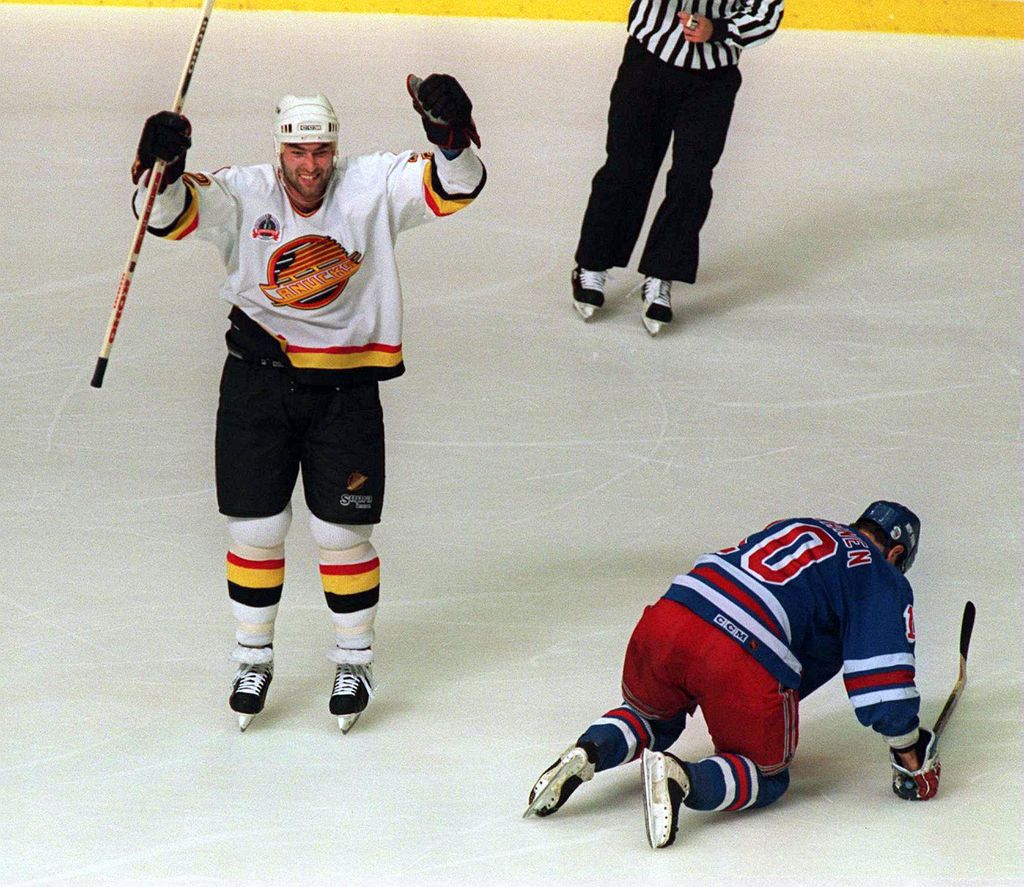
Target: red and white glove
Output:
[(921, 784)]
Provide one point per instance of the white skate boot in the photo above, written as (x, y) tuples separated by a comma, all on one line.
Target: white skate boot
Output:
[(574, 767), (252, 680), (587, 290), (666, 786), (657, 296), (351, 693)]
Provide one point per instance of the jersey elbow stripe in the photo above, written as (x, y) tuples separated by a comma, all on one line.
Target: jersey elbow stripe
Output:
[(881, 679), (895, 694), (875, 663), (187, 221), (440, 202)]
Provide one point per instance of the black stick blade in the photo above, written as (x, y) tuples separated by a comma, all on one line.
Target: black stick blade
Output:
[(101, 369), (966, 628)]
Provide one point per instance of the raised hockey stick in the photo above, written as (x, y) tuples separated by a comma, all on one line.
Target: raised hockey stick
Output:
[(155, 178), (966, 628)]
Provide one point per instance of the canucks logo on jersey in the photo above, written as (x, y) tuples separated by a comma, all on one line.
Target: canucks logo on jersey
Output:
[(309, 272)]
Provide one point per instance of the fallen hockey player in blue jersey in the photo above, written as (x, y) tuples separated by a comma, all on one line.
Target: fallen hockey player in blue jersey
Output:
[(745, 635)]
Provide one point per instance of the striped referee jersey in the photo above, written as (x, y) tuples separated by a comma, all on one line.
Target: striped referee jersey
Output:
[(738, 24)]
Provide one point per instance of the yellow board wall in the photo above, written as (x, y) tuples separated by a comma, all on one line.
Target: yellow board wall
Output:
[(963, 18)]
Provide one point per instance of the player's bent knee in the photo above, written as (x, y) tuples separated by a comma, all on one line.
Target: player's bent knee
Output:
[(338, 537), (260, 532), (771, 788)]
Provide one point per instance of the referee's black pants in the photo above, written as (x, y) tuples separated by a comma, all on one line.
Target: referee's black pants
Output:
[(653, 102)]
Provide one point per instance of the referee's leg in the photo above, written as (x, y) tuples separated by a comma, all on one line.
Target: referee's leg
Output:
[(639, 129), (672, 251)]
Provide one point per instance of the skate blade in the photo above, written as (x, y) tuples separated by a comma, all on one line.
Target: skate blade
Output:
[(544, 799), (244, 721), (652, 326), (585, 310), (549, 795), (653, 769), (347, 722)]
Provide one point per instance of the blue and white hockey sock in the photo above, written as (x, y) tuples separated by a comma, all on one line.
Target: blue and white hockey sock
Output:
[(619, 736), (732, 782), (622, 734)]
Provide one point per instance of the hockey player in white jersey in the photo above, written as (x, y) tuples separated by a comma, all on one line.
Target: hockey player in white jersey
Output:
[(308, 244)]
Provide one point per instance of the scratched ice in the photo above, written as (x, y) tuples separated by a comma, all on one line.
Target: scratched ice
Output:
[(855, 334)]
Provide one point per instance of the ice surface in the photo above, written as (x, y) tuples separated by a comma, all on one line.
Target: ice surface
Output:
[(855, 334)]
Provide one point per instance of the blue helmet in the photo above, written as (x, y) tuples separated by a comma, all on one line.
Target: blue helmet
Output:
[(899, 525)]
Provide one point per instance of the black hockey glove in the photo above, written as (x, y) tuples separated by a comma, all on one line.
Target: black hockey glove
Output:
[(446, 110), (921, 784), (166, 136)]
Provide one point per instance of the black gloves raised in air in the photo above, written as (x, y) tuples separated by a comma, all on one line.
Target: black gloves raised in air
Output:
[(446, 111), (166, 136)]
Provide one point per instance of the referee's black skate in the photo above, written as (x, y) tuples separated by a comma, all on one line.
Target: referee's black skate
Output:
[(657, 296), (587, 291), (351, 693), (252, 680)]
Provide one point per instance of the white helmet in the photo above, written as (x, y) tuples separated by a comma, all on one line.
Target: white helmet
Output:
[(304, 118)]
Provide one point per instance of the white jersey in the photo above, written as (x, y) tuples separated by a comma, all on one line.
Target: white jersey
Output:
[(325, 284)]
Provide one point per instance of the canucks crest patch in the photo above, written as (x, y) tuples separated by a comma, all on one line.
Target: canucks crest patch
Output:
[(267, 227), (309, 272)]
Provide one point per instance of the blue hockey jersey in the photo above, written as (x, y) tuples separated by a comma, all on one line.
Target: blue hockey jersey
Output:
[(808, 597)]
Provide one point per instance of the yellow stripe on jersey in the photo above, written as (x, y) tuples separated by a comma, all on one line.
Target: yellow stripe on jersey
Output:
[(188, 220), (439, 204), (345, 358)]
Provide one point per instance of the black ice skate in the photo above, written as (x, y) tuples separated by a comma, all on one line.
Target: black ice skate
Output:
[(587, 291), (352, 691), (249, 690), (657, 296), (561, 779), (666, 786)]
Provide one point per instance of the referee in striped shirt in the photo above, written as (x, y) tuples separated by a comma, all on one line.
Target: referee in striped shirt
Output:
[(677, 82)]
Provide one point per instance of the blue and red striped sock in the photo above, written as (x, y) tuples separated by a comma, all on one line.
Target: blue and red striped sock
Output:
[(732, 782)]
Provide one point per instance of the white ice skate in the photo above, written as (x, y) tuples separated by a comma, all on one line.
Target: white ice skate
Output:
[(666, 786), (252, 680), (561, 779), (657, 297), (351, 693)]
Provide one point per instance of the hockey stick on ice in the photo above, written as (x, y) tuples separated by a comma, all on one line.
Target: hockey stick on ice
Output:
[(966, 627), (155, 179)]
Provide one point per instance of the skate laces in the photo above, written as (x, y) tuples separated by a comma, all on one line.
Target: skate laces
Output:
[(252, 679), (592, 280), (657, 291), (348, 680)]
